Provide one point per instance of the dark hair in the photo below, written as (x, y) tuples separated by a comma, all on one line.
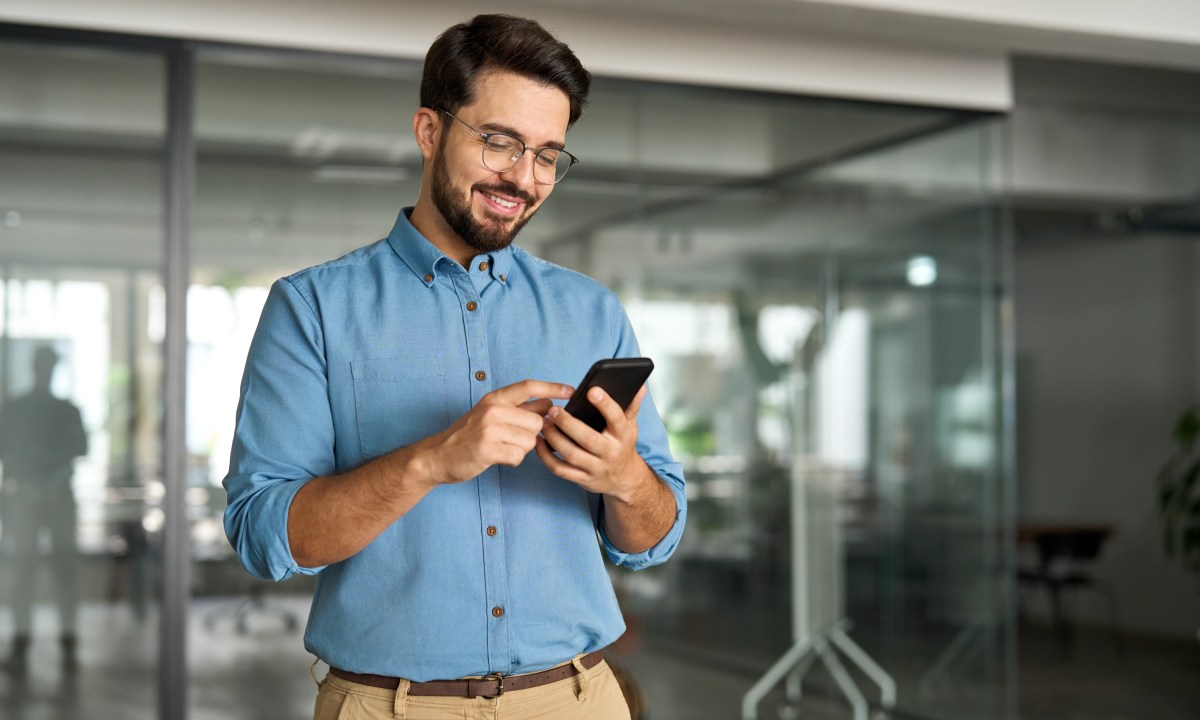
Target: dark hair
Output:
[(499, 42)]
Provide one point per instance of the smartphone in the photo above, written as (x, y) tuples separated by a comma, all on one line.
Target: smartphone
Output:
[(621, 378)]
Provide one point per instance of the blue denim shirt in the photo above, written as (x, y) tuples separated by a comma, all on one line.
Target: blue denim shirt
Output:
[(373, 351)]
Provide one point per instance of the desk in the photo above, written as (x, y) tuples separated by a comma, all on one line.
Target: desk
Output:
[(1033, 533)]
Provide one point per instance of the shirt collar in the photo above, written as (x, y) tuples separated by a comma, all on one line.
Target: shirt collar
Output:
[(424, 258)]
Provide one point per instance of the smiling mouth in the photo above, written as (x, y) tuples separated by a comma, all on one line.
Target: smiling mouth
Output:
[(502, 202)]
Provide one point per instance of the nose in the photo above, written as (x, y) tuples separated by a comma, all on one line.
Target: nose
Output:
[(521, 173)]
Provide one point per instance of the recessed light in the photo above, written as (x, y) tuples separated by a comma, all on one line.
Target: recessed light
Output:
[(922, 271)]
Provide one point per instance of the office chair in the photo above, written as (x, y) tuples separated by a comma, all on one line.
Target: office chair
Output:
[(1063, 560)]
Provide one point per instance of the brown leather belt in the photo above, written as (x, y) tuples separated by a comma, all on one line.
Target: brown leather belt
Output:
[(490, 686)]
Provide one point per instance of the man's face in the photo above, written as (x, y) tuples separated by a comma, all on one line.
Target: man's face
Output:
[(483, 207)]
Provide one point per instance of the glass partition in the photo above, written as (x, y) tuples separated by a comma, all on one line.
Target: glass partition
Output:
[(81, 327), (830, 371)]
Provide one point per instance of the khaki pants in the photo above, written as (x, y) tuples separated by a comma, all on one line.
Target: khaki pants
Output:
[(592, 695)]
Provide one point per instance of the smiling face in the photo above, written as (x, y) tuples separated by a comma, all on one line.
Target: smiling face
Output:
[(464, 207)]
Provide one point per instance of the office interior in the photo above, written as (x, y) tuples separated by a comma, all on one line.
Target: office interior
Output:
[(912, 354)]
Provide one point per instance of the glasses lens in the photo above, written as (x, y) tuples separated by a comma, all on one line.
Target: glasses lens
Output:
[(500, 152), (551, 165)]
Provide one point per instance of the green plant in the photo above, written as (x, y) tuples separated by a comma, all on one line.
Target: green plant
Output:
[(1179, 493)]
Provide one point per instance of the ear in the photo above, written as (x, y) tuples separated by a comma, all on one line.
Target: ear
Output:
[(427, 124)]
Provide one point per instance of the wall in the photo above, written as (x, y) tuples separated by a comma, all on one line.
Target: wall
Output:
[(1107, 332)]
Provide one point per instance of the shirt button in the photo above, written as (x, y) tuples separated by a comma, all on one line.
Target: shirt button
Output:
[(472, 305), (482, 267), (491, 531), (429, 278), (481, 375), (502, 278), (497, 611)]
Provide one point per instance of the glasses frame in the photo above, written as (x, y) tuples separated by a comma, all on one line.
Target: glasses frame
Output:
[(483, 138)]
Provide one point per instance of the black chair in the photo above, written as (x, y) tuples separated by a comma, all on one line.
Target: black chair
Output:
[(1064, 556)]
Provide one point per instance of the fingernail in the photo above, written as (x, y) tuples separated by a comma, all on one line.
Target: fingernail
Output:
[(553, 413), (595, 394)]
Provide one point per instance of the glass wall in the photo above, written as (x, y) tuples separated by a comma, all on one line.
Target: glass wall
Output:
[(830, 367), (81, 327), (820, 284)]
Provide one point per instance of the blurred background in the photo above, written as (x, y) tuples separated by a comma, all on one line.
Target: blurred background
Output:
[(919, 276)]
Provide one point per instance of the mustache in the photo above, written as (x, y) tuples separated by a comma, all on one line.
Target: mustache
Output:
[(506, 188)]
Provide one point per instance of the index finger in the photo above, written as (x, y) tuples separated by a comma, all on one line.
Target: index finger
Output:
[(609, 408), (519, 392)]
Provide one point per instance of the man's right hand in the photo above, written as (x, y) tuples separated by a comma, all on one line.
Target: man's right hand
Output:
[(333, 517), (501, 429)]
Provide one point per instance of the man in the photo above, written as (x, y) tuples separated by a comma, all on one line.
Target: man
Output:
[(396, 409), (40, 437)]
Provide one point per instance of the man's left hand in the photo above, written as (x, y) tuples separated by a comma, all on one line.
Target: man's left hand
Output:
[(601, 462)]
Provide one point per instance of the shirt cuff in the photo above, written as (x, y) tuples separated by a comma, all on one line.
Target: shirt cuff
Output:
[(663, 549)]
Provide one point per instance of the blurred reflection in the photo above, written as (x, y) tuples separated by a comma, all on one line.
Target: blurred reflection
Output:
[(40, 437)]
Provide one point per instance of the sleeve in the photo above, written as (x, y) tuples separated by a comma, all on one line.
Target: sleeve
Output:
[(653, 447), (283, 435)]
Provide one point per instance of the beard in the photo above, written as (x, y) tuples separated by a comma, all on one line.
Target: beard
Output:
[(488, 235)]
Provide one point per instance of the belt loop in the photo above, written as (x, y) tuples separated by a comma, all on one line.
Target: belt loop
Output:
[(312, 670), (584, 678), (400, 707)]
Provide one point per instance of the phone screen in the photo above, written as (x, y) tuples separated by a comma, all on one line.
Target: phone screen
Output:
[(621, 378)]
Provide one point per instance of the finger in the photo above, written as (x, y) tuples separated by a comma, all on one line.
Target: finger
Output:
[(539, 406), (501, 415), (519, 392), (631, 412), (559, 441), (612, 412), (557, 465), (514, 455), (577, 430), (497, 438), (569, 450)]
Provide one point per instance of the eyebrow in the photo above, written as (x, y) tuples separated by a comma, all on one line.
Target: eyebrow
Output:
[(505, 129)]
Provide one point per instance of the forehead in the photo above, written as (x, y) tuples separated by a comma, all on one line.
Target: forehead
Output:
[(504, 100)]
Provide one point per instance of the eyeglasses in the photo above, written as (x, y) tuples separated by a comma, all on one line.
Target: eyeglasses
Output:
[(501, 153)]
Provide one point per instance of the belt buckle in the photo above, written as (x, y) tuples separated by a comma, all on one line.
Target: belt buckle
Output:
[(499, 685)]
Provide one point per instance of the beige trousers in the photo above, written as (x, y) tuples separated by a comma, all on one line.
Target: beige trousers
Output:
[(591, 695)]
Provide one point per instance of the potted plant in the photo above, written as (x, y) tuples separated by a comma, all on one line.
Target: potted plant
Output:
[(1179, 493)]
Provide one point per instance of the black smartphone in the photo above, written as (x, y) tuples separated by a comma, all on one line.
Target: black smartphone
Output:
[(621, 378)]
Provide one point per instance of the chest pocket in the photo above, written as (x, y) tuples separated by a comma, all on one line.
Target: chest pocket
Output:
[(398, 401)]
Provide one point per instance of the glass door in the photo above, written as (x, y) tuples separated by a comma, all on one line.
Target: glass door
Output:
[(81, 331)]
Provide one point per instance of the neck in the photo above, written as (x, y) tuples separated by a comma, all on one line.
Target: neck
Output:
[(429, 222)]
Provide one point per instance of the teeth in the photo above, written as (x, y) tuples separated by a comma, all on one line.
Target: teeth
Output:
[(501, 201)]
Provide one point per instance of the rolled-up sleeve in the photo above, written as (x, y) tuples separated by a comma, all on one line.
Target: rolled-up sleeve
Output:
[(655, 451), (284, 434)]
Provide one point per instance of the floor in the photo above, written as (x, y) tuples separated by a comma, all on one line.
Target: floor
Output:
[(263, 673)]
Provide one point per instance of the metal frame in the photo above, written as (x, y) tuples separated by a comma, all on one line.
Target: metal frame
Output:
[(176, 569)]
